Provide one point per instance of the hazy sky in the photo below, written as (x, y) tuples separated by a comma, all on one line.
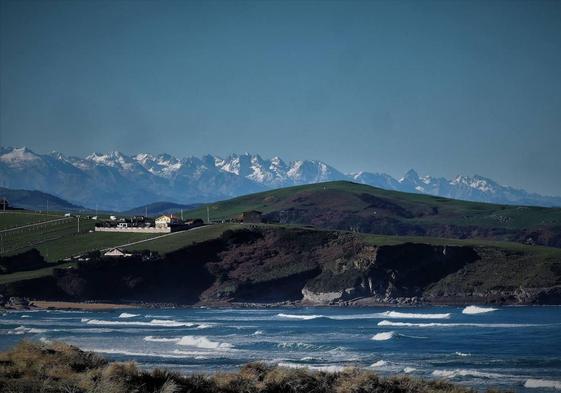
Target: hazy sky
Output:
[(443, 87)]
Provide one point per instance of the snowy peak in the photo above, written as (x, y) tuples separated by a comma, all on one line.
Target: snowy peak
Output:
[(18, 157), (123, 181)]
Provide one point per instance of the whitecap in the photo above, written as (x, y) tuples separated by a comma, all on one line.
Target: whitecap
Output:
[(542, 383), (404, 315), (127, 315), (202, 342), (471, 310), (327, 369), (464, 373), (153, 322), (26, 330), (258, 332), (463, 354), (409, 370), (297, 316), (160, 339), (383, 336), (438, 324), (379, 363)]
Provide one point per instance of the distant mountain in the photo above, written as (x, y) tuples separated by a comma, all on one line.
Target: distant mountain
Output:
[(158, 208), (36, 200), (116, 181)]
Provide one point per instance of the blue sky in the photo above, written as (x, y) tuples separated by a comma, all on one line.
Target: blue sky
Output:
[(444, 87)]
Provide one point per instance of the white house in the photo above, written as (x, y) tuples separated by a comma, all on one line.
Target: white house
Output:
[(165, 221)]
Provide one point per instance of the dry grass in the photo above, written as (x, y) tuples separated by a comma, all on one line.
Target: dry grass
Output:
[(58, 367)]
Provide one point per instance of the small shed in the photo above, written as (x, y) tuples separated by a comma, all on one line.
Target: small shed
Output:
[(252, 216), (116, 252)]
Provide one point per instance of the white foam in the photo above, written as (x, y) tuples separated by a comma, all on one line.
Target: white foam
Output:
[(26, 330), (161, 339), (258, 332), (172, 355), (383, 336), (463, 354), (464, 373), (299, 345), (542, 383), (296, 316), (409, 370), (153, 322), (127, 315), (450, 325), (379, 363), (404, 315), (327, 369), (471, 310), (202, 342)]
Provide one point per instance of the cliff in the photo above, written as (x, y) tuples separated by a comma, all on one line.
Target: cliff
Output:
[(282, 264)]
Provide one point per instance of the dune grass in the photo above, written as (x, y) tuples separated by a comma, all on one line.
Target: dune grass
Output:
[(57, 367)]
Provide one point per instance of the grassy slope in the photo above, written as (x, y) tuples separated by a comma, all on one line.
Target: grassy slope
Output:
[(16, 218), (343, 196)]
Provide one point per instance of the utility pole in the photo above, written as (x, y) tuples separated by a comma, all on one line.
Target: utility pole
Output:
[(181, 214), (207, 215), (78, 223), (47, 206)]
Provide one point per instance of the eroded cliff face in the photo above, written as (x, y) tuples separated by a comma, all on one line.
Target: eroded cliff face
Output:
[(387, 273), (272, 265)]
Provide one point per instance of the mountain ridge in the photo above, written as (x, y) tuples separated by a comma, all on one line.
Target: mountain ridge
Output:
[(117, 181)]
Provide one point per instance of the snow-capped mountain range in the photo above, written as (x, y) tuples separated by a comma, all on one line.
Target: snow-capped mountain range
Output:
[(116, 181)]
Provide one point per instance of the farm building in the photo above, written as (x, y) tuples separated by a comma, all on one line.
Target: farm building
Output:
[(116, 253), (251, 216)]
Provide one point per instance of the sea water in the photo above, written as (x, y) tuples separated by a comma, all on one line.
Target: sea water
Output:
[(517, 348)]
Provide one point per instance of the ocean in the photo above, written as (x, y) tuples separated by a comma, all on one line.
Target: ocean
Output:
[(517, 348)]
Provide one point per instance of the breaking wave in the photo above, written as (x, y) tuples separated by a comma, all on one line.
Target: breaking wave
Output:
[(437, 324), (153, 322), (379, 363), (296, 316), (384, 336), (327, 369), (202, 342), (385, 314), (464, 373), (127, 315), (409, 370), (463, 354), (26, 330), (471, 310), (405, 315), (542, 383), (160, 339)]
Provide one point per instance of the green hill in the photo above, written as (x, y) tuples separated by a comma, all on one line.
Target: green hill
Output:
[(360, 208), (36, 200), (158, 208)]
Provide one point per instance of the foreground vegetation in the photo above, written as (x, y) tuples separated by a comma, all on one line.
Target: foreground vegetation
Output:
[(57, 367)]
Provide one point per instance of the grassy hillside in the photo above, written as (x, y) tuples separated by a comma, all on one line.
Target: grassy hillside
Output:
[(355, 207), (36, 200), (56, 236)]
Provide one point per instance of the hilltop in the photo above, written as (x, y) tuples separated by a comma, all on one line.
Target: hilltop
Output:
[(360, 208)]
